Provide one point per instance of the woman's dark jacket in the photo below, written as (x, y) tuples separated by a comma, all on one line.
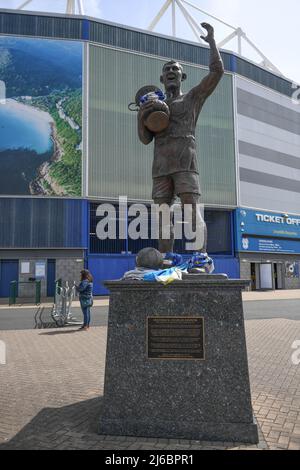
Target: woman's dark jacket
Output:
[(85, 290)]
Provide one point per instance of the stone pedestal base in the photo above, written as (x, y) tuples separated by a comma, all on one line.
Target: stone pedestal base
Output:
[(176, 363)]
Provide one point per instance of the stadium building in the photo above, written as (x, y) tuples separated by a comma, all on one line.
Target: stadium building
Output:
[(68, 143)]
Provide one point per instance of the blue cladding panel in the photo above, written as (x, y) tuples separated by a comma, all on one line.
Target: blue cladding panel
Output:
[(75, 219), (42, 223), (9, 271), (85, 29), (85, 223), (51, 277), (110, 267), (229, 266)]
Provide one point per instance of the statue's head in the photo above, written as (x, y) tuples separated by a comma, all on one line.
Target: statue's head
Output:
[(172, 75)]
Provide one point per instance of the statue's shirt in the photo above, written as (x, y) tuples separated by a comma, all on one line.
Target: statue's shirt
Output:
[(175, 148)]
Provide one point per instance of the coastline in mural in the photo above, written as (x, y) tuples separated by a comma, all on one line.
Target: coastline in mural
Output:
[(41, 119)]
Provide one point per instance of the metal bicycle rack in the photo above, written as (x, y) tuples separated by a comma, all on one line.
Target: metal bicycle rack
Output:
[(60, 315), (61, 312)]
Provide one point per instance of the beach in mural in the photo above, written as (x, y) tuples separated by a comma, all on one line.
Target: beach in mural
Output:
[(41, 119)]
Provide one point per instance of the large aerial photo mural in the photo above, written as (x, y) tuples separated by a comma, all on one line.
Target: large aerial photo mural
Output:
[(41, 118)]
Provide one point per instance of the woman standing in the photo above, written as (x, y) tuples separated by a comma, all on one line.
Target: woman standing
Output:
[(85, 290)]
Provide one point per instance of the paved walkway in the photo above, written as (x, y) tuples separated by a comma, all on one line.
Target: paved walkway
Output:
[(22, 304), (271, 295), (104, 301), (52, 384)]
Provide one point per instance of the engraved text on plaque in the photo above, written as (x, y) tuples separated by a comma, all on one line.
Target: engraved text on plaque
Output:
[(175, 338)]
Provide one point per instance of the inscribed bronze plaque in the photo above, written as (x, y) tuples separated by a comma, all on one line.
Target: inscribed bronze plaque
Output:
[(175, 338)]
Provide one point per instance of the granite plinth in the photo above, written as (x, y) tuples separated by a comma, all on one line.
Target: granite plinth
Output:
[(205, 399)]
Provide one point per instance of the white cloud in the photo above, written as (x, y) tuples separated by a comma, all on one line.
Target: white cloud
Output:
[(93, 8)]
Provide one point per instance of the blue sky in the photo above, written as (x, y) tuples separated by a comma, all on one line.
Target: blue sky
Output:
[(272, 25)]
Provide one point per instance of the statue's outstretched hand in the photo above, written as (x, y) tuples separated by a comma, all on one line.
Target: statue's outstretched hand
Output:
[(210, 33)]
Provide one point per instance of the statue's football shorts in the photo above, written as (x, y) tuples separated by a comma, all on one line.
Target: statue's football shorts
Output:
[(167, 187)]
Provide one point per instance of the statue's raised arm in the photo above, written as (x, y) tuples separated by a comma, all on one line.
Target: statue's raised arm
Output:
[(216, 67)]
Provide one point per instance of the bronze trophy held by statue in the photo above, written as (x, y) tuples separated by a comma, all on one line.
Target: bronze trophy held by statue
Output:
[(156, 113)]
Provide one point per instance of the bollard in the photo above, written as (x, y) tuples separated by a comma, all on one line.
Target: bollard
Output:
[(37, 292), (13, 293)]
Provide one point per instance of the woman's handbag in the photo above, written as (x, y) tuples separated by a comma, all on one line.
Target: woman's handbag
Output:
[(86, 302)]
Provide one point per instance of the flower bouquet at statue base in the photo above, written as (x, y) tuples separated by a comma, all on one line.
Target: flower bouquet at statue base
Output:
[(156, 116)]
